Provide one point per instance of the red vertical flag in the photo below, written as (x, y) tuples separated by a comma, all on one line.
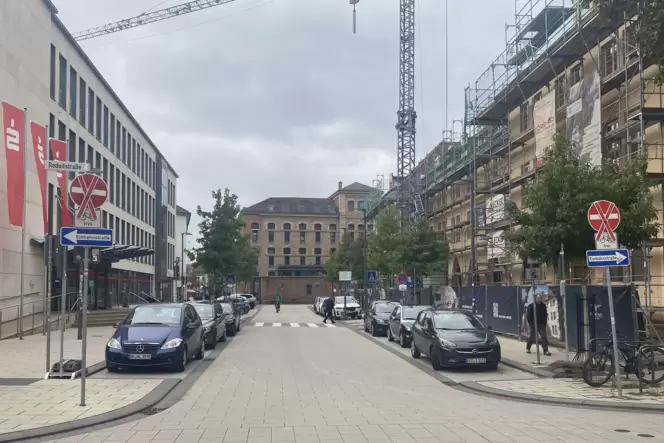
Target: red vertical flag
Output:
[(38, 134), (59, 153), (13, 135)]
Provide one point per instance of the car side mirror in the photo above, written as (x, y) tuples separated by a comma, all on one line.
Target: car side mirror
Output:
[(489, 327), (115, 325)]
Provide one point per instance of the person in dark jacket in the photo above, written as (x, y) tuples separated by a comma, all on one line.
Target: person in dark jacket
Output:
[(328, 308), (542, 317)]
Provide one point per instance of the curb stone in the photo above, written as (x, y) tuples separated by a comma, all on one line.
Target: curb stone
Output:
[(543, 373), (626, 406), (157, 397)]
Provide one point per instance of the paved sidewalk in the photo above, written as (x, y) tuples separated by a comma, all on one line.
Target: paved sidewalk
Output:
[(27, 358), (514, 351), (576, 391), (49, 402)]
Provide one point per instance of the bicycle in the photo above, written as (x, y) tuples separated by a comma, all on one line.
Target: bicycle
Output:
[(630, 353)]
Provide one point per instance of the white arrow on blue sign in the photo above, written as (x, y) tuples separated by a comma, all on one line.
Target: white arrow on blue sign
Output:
[(372, 276), (607, 257), (86, 237)]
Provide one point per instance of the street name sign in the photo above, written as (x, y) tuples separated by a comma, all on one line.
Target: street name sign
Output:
[(86, 237), (345, 276), (56, 165), (607, 257)]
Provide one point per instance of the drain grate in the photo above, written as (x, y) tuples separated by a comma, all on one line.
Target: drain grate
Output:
[(646, 435), (621, 430), (153, 411)]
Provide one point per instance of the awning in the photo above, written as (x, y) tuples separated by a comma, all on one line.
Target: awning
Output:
[(122, 252)]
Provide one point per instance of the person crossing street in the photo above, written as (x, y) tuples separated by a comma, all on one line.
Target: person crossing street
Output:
[(328, 308)]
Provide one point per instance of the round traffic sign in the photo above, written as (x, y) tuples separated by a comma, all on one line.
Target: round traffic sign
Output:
[(604, 218), (88, 192), (403, 278)]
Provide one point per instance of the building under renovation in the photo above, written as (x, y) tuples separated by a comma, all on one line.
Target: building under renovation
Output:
[(565, 70)]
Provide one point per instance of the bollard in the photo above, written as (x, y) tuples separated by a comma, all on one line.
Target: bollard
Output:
[(33, 318), (18, 321), (0, 325)]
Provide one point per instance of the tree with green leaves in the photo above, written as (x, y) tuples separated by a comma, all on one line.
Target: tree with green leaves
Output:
[(223, 248), (348, 257), (425, 251), (556, 202), (649, 29), (385, 248)]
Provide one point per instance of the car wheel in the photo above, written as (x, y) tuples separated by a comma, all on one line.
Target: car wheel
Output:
[(435, 359), (223, 337), (366, 329), (213, 339), (493, 367), (402, 340), (111, 368), (389, 334), (182, 363), (413, 350), (237, 328), (373, 330), (231, 331), (201, 351)]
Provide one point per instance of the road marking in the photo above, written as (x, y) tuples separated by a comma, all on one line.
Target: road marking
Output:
[(295, 325), (330, 325), (312, 325), (259, 324), (276, 325)]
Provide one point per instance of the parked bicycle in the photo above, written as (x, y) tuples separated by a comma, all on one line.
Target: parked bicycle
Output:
[(601, 363)]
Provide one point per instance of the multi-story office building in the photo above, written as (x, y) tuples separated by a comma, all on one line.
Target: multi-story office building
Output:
[(566, 70), (43, 70), (295, 236)]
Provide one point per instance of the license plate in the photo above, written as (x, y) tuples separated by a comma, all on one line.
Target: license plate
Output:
[(475, 360), (140, 356)]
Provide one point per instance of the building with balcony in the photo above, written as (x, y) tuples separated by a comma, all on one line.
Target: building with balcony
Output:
[(295, 236)]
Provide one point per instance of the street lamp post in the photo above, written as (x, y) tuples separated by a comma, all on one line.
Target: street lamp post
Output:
[(183, 272), (364, 256)]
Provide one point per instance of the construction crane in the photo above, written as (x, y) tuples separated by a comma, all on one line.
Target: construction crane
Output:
[(409, 200), (148, 17)]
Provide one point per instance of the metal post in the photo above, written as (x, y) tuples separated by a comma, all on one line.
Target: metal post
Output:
[(616, 362), (84, 321), (63, 304), (563, 294), (23, 227), (47, 307), (345, 286), (535, 323)]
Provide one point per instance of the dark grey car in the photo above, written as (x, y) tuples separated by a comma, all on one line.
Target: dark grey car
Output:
[(214, 322), (401, 323), (232, 318)]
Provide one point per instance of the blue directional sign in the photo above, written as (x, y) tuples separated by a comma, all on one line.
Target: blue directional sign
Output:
[(607, 257), (231, 279), (372, 276), (86, 237)]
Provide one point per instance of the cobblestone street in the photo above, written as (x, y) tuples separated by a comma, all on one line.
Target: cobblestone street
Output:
[(310, 385)]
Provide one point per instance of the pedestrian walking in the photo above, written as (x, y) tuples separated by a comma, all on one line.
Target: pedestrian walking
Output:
[(328, 308), (542, 317)]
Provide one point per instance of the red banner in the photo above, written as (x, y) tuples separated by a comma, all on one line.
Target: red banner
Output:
[(59, 153), (38, 134), (13, 120)]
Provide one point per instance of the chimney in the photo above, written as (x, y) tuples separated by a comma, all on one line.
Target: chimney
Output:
[(341, 185)]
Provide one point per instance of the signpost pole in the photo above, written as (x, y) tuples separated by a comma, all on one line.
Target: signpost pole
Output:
[(49, 242), (563, 295), (63, 303), (535, 325), (84, 319), (616, 363)]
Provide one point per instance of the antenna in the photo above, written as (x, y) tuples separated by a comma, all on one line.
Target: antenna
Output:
[(354, 2)]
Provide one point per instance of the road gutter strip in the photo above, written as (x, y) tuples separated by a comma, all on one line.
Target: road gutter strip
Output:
[(165, 395)]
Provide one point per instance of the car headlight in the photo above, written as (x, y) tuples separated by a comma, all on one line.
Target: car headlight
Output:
[(406, 327), (447, 344), (494, 340), (172, 343), (206, 329), (114, 343)]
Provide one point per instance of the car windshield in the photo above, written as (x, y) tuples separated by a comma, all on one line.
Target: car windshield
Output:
[(204, 311), (340, 300), (384, 308), (456, 321), (410, 312), (154, 314), (227, 307)]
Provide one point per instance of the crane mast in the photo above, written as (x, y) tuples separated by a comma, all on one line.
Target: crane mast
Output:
[(148, 17)]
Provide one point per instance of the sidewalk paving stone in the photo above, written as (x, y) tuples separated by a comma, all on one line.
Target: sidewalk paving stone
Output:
[(28, 356)]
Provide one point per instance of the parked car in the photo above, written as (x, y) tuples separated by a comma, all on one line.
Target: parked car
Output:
[(156, 335), (454, 338), (318, 305), (401, 323), (233, 317), (249, 298), (241, 303), (352, 307), (214, 322), (377, 317)]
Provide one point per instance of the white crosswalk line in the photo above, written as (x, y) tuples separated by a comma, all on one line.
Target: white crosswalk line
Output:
[(295, 325), (259, 324), (330, 325), (276, 325), (312, 325)]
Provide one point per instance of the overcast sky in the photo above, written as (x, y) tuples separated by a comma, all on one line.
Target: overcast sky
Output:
[(278, 97)]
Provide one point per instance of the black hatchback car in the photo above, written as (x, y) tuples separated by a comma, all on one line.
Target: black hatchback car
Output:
[(401, 323), (454, 338), (376, 319), (214, 322)]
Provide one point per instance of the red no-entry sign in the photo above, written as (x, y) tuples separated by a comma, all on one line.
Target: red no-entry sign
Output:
[(88, 192), (604, 218)]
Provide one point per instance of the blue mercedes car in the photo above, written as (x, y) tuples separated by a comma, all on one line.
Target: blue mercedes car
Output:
[(156, 335)]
